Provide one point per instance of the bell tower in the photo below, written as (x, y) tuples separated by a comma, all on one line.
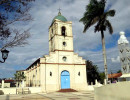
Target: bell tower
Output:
[(60, 34)]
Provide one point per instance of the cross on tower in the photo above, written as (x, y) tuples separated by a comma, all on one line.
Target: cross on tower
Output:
[(59, 9)]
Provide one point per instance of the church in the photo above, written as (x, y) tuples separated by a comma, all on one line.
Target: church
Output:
[(62, 68)]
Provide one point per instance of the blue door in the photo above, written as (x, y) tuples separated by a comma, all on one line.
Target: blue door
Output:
[(65, 80)]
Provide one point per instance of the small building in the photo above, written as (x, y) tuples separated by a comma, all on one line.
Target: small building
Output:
[(8, 83), (62, 68), (114, 77)]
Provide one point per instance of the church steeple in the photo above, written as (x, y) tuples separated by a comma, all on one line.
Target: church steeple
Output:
[(60, 34), (59, 17)]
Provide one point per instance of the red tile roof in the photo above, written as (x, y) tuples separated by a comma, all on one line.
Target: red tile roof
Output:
[(114, 75), (7, 81)]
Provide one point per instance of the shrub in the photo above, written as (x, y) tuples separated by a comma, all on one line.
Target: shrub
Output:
[(1, 92)]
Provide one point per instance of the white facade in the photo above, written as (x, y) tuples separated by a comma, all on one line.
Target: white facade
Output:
[(47, 71), (124, 52)]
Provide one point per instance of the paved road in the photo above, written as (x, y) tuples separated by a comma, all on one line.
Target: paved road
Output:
[(84, 95)]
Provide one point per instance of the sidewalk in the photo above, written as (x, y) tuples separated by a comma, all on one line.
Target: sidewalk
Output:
[(83, 95)]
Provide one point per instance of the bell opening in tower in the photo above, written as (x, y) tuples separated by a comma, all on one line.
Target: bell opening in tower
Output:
[(63, 29)]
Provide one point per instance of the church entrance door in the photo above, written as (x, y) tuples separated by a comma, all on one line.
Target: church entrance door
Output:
[(65, 80)]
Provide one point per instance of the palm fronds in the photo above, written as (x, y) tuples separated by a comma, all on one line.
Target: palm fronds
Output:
[(95, 13), (109, 26)]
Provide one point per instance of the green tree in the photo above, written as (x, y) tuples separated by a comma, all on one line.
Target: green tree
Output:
[(96, 14), (119, 71), (102, 77), (92, 72), (19, 76)]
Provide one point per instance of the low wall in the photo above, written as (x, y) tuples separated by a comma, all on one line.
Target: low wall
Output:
[(7, 85), (35, 89), (13, 90), (115, 91), (8, 90), (90, 88)]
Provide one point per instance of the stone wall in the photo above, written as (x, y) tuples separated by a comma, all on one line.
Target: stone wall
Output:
[(115, 91), (13, 90)]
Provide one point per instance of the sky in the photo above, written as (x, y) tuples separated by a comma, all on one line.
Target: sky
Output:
[(88, 45)]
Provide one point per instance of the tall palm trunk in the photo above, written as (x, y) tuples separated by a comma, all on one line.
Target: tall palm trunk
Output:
[(104, 55)]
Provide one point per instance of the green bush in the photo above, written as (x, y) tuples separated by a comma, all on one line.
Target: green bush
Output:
[(1, 92)]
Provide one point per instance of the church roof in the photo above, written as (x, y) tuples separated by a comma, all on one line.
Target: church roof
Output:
[(59, 17)]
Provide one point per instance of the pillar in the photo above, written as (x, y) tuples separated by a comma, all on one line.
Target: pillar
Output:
[(105, 82), (2, 83), (96, 82)]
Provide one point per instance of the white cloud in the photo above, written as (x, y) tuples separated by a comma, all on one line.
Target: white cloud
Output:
[(115, 59)]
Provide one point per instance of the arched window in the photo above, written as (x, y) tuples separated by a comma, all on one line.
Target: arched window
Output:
[(52, 31), (36, 72), (63, 30), (79, 73), (33, 75), (50, 73)]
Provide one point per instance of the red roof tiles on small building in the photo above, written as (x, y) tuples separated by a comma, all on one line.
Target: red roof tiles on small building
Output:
[(114, 75)]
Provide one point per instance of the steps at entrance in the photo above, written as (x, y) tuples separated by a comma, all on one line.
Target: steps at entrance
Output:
[(67, 90)]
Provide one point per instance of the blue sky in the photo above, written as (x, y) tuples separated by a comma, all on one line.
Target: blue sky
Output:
[(87, 45)]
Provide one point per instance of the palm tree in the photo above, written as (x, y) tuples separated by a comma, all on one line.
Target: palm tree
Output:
[(19, 76), (96, 14)]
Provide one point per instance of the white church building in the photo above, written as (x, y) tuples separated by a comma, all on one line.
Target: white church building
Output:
[(62, 68)]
